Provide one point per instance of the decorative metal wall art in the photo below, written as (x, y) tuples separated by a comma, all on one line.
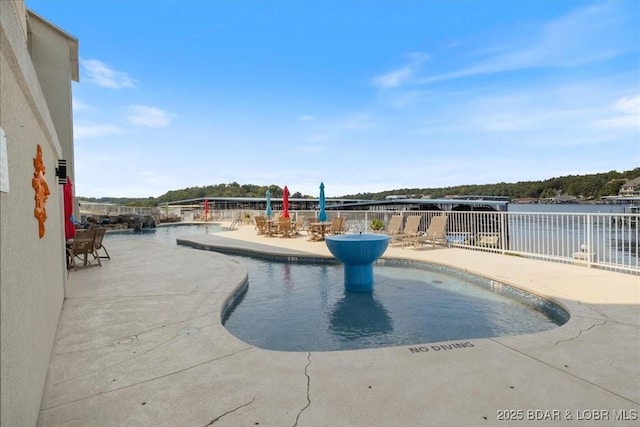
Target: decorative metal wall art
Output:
[(40, 186)]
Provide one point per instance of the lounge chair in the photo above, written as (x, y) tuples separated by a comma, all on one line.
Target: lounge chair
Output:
[(395, 225), (411, 229), (79, 249), (97, 245), (436, 233)]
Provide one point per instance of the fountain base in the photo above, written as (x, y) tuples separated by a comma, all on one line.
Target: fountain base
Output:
[(358, 253)]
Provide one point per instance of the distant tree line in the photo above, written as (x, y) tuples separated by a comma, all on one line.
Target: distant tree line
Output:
[(585, 187), (220, 190)]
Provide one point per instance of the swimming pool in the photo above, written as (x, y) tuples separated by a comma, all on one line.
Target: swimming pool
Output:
[(165, 234), (298, 306), (303, 307)]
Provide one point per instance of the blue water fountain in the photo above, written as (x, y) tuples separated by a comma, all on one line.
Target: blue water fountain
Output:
[(358, 253)]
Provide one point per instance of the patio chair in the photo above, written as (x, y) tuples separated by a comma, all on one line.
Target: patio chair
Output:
[(284, 227), (395, 225), (411, 229), (337, 225), (309, 227), (436, 233), (80, 248), (271, 226), (343, 225), (298, 225), (97, 245), (260, 224), (318, 230)]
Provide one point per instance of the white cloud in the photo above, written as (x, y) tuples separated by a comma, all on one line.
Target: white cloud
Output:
[(80, 106), (403, 74), (104, 76), (95, 130), (585, 36), (625, 114), (142, 115)]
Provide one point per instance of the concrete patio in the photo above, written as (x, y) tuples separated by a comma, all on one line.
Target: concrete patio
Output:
[(140, 343)]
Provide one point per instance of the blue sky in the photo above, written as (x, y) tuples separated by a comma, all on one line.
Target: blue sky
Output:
[(365, 96)]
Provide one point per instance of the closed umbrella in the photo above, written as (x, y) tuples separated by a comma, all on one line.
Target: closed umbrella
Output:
[(69, 226), (285, 203), (206, 209), (322, 216), (268, 212)]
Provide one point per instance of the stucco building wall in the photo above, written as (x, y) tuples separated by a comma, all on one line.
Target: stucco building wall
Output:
[(32, 269)]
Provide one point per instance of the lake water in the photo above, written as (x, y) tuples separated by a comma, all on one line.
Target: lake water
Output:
[(566, 208), (562, 235)]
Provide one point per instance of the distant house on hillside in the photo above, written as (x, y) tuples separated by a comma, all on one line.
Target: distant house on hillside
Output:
[(630, 188)]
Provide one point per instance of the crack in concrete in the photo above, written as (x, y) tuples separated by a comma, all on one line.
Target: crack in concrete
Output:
[(128, 359), (592, 308), (147, 331), (306, 373), (581, 331), (179, 371), (216, 419)]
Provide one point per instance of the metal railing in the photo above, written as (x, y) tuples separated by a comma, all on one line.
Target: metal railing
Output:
[(107, 209), (603, 240)]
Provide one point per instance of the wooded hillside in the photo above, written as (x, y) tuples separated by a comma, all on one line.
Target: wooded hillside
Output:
[(585, 187)]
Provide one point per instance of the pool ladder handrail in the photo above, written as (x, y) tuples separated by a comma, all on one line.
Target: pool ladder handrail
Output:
[(236, 222)]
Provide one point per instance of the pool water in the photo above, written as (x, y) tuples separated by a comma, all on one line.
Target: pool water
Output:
[(166, 234), (303, 307)]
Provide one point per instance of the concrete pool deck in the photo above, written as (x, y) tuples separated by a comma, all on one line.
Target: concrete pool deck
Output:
[(140, 343)]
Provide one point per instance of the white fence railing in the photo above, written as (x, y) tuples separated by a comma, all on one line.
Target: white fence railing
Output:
[(107, 209), (608, 241)]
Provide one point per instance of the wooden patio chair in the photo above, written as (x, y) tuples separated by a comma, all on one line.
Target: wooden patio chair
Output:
[(299, 224), (336, 226), (98, 245), (284, 227), (310, 221), (261, 224), (79, 249)]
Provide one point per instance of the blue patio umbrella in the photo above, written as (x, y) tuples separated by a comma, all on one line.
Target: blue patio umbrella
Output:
[(322, 216), (268, 212)]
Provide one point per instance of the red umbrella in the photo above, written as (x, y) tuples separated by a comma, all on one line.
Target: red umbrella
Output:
[(285, 202), (206, 208), (69, 226)]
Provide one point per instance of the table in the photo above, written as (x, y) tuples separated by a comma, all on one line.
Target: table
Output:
[(318, 230)]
